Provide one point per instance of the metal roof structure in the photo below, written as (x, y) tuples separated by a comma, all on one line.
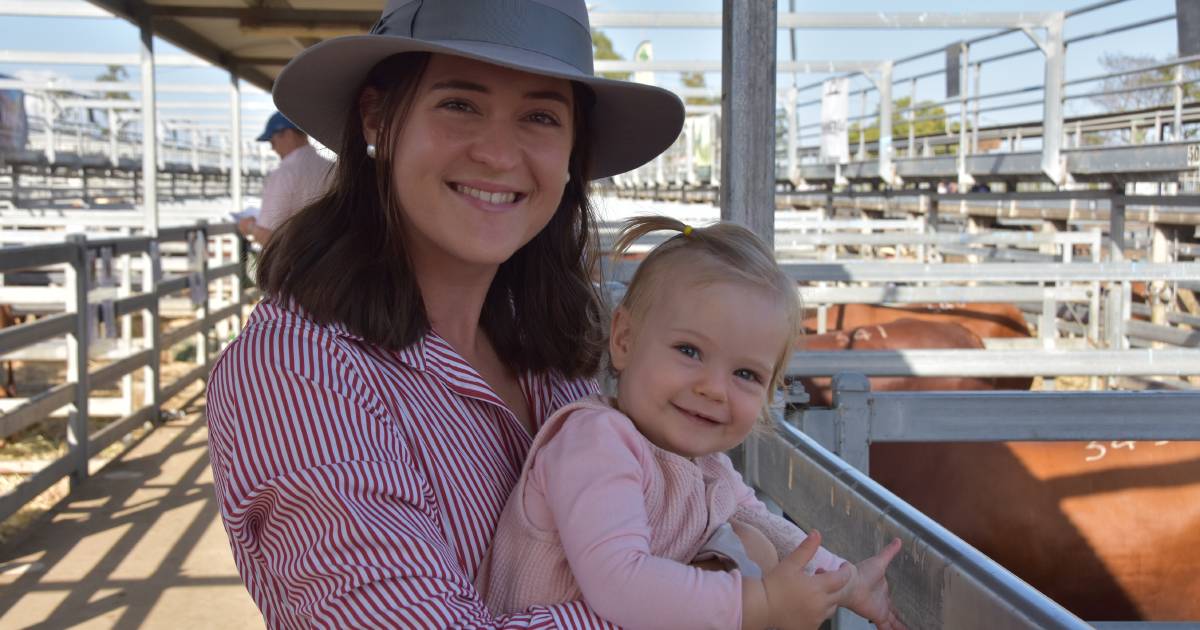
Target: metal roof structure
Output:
[(253, 39)]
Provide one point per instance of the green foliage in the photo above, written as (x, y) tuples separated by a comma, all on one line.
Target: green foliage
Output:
[(114, 74), (602, 48), (931, 120), (696, 80), (1142, 99)]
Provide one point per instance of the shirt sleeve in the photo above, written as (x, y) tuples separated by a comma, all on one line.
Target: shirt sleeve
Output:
[(591, 474), (784, 535), (276, 199), (329, 517)]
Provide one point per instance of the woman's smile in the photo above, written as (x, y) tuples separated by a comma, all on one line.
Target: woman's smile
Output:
[(488, 197)]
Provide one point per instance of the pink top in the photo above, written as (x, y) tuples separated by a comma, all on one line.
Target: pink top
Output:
[(300, 178), (360, 487), (602, 512)]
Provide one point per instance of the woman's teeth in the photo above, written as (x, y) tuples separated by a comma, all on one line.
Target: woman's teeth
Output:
[(489, 197)]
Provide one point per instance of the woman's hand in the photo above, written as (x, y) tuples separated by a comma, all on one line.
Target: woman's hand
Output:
[(788, 598), (867, 592)]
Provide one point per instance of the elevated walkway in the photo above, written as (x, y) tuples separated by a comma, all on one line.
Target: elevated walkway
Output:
[(140, 547)]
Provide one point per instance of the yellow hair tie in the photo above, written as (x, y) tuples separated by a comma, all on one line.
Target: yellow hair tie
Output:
[(687, 230)]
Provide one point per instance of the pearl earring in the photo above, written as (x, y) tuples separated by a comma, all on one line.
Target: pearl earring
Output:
[(371, 151)]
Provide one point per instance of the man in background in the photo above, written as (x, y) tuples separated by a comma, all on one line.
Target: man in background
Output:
[(299, 179)]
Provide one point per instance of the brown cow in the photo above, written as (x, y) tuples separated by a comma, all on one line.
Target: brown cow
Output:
[(897, 335), (1109, 530), (987, 320)]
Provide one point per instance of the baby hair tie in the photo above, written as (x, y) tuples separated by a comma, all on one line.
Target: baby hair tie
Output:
[(687, 230)]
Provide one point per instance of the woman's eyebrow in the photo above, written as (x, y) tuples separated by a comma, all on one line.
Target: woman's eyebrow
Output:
[(471, 86)]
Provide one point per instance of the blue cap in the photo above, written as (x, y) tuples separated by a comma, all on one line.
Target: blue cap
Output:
[(278, 122)]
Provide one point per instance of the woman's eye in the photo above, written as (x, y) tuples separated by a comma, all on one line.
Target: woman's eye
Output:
[(748, 375), (688, 351), (456, 105), (543, 118)]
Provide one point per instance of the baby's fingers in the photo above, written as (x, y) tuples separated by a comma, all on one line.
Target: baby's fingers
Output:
[(834, 581)]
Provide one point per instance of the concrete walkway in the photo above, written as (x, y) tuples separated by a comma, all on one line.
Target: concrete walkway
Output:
[(139, 546)]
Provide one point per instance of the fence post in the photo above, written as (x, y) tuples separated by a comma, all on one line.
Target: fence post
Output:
[(77, 357), (152, 328), (852, 435), (852, 424), (198, 285)]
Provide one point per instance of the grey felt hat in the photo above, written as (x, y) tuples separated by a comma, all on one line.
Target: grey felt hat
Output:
[(631, 122)]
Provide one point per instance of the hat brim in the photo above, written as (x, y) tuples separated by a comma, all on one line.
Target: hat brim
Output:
[(631, 122)]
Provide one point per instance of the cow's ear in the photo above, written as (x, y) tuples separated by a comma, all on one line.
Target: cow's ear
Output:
[(620, 338)]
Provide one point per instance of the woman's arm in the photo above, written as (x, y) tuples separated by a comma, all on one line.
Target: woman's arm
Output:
[(331, 522), (592, 481)]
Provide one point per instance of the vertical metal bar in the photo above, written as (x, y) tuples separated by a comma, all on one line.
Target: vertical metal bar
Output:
[(1116, 304), (912, 118), (199, 249), (792, 132), (126, 290), (1052, 109), (77, 357), (152, 329), (1178, 121), (852, 427), (748, 115), (113, 157), (1157, 289), (975, 114), (862, 130), (886, 171), (689, 160), (149, 129), (964, 178)]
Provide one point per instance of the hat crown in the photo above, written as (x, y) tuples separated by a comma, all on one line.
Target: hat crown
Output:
[(556, 28)]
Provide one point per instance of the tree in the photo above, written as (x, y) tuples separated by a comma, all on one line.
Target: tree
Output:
[(1142, 99), (115, 74), (696, 80), (602, 48), (931, 121)]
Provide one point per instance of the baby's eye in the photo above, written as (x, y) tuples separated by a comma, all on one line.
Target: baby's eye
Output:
[(748, 375), (688, 350)]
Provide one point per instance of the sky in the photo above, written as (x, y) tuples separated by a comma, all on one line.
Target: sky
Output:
[(1159, 41)]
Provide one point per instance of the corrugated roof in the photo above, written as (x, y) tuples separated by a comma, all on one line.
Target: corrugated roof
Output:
[(252, 38)]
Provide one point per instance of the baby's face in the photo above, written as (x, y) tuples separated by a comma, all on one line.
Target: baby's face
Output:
[(695, 369)]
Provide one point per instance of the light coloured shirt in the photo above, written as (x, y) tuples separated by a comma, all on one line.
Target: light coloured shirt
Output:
[(301, 177), (602, 512), (361, 487)]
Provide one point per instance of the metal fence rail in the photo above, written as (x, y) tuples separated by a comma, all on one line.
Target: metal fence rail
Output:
[(96, 298)]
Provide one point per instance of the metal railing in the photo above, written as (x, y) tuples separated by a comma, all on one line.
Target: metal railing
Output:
[(97, 298)]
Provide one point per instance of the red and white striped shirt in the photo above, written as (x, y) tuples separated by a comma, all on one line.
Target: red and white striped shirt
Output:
[(360, 487)]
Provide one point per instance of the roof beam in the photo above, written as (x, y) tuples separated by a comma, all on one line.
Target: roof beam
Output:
[(189, 40)]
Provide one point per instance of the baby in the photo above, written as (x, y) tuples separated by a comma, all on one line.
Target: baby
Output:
[(618, 496)]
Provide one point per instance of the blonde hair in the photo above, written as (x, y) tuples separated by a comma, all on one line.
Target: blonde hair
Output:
[(719, 252)]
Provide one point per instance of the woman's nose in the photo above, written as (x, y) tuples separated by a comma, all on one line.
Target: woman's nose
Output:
[(496, 146)]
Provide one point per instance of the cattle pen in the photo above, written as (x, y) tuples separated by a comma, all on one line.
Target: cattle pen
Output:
[(123, 275)]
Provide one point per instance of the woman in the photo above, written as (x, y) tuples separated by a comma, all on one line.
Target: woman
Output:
[(426, 315)]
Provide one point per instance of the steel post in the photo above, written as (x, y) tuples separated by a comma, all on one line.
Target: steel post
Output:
[(887, 171), (748, 115), (149, 129), (77, 357)]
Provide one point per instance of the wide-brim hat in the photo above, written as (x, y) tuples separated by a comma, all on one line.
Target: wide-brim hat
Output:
[(631, 122)]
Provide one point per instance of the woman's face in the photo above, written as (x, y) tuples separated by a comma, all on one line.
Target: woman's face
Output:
[(481, 162)]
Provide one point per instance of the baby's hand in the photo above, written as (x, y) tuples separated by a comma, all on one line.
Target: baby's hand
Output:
[(798, 600), (867, 593)]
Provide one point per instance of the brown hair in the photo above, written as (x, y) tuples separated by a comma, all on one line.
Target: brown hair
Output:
[(343, 258), (718, 252)]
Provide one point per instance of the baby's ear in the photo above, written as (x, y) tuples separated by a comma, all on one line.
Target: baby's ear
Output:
[(620, 338)]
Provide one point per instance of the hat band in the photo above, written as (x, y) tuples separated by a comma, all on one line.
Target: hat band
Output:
[(515, 23)]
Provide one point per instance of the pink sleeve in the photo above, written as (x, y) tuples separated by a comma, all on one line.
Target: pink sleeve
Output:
[(592, 475), (782, 533)]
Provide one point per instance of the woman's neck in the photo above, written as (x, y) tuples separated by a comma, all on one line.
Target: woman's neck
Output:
[(453, 300)]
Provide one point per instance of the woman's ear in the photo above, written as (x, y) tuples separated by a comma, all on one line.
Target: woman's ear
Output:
[(370, 104), (620, 338)]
